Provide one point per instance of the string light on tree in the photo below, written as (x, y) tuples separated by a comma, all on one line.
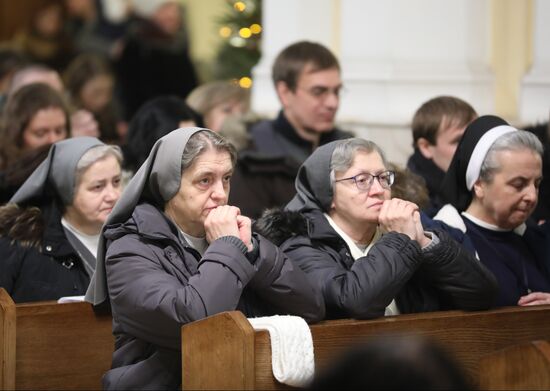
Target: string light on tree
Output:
[(240, 27)]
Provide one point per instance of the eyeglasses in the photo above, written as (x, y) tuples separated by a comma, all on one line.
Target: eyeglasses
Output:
[(323, 93), (364, 181)]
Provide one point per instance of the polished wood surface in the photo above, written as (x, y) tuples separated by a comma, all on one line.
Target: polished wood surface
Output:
[(520, 367), (58, 346), (469, 336), (7, 341)]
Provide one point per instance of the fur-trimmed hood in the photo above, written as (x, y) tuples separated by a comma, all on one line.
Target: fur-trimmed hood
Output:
[(24, 225), (278, 225)]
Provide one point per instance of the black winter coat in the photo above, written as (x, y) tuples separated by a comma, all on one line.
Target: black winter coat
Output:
[(442, 278), (279, 138), (156, 284), (47, 269)]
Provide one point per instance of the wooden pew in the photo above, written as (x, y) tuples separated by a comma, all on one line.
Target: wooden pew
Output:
[(45, 345), (224, 351), (520, 367)]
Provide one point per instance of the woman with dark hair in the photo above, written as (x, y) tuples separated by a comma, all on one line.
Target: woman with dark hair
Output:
[(49, 231), (155, 119), (173, 252), (491, 190), (34, 116)]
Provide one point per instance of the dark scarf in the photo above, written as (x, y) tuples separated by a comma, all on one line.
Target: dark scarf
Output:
[(427, 169)]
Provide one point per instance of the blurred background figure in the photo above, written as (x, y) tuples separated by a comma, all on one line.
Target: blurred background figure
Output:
[(35, 73), (44, 39), (83, 122), (409, 186), (542, 211), (155, 119), (11, 60), (155, 58), (98, 26), (218, 100), (90, 81), (394, 362)]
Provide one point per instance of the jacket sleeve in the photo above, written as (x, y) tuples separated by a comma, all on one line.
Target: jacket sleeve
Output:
[(460, 279), (151, 302), (364, 288), (11, 260), (284, 286)]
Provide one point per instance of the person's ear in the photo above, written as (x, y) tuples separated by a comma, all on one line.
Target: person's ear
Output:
[(284, 93), (425, 147), (479, 189)]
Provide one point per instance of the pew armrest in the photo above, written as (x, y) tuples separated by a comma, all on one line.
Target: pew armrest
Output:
[(218, 353), (7, 341)]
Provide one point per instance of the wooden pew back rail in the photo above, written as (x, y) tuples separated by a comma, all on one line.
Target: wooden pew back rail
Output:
[(224, 352), (45, 345)]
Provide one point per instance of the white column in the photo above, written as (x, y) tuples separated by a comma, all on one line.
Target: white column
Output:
[(535, 86), (285, 22), (397, 54)]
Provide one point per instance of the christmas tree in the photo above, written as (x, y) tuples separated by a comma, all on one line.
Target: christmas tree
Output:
[(241, 31)]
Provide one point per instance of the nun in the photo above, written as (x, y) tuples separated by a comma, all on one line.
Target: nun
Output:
[(173, 252), (369, 253), (490, 191), (49, 231)]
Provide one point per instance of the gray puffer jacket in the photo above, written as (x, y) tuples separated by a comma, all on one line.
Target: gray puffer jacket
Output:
[(443, 277), (156, 284)]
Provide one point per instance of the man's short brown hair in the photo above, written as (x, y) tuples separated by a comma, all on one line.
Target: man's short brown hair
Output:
[(293, 59), (438, 113)]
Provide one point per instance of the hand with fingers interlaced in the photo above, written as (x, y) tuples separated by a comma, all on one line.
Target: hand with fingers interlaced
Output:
[(402, 216), (226, 220)]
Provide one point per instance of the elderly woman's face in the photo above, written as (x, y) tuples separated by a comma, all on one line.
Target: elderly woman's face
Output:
[(510, 198), (204, 186), (355, 205), (98, 191)]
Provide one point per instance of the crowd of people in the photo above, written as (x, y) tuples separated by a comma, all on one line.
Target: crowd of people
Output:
[(119, 190)]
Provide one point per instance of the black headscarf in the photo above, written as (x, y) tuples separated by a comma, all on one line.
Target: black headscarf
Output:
[(454, 189)]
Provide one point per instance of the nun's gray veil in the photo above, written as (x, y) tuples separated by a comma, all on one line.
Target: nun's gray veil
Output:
[(56, 173), (157, 180), (313, 189)]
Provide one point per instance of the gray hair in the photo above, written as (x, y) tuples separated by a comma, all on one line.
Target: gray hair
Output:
[(203, 141), (344, 153), (94, 155), (513, 141)]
